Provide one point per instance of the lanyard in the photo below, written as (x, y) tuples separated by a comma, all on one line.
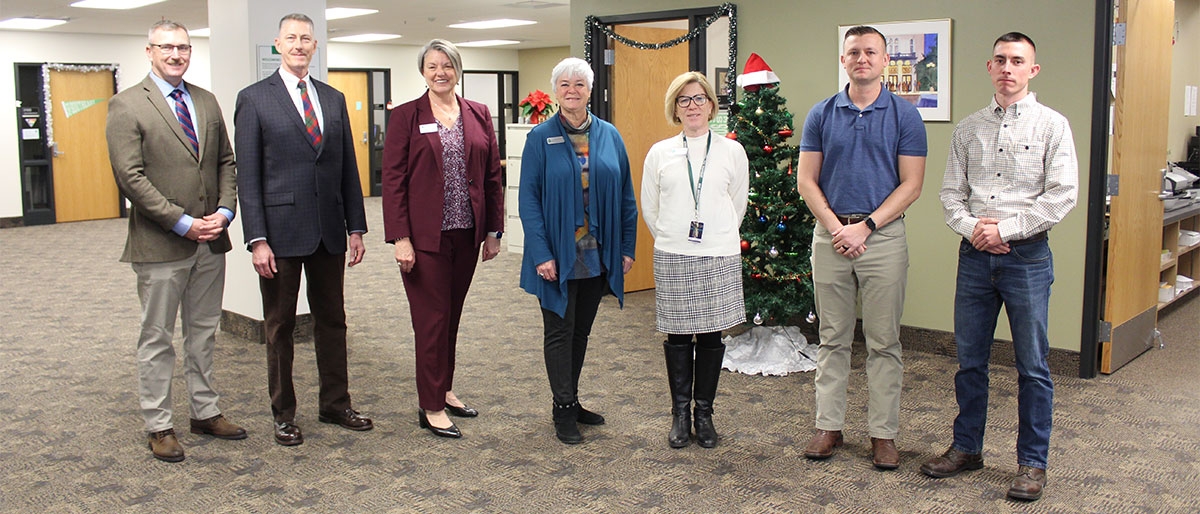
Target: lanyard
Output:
[(696, 186)]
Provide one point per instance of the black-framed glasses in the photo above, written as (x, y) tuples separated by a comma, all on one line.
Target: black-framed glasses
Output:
[(169, 49), (686, 101)]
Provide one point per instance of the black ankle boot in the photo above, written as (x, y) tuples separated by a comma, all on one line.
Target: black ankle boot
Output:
[(708, 371), (679, 376), (565, 423)]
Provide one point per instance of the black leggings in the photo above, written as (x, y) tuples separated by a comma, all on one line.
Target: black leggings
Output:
[(705, 340)]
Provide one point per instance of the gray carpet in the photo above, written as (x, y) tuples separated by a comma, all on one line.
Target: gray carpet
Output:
[(72, 437)]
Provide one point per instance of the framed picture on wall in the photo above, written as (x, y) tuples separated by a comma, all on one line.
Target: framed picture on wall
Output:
[(918, 68), (721, 76)]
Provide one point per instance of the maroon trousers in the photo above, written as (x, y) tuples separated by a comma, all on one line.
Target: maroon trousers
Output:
[(325, 273), (437, 288)]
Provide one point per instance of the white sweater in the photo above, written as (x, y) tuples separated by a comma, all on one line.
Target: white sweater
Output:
[(667, 204)]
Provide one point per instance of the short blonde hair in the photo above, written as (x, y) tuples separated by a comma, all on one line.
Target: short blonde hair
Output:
[(677, 86)]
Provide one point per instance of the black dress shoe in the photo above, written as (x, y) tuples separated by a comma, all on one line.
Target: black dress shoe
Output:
[(287, 433), (588, 417), (451, 432), (462, 412), (348, 418)]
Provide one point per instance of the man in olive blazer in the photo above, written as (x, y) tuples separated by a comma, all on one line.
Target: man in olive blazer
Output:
[(171, 158)]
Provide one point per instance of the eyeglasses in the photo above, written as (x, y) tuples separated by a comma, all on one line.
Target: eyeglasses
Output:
[(686, 101), (169, 49)]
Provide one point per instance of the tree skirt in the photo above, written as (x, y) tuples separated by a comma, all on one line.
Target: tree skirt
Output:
[(769, 351)]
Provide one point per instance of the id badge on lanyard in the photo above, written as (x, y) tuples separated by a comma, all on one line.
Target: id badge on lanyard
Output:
[(696, 231)]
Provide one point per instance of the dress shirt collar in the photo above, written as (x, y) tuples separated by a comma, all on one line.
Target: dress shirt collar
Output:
[(1028, 103), (166, 87), (291, 81)]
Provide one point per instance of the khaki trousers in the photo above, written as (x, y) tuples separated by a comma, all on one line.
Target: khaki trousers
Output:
[(880, 275), (192, 289)]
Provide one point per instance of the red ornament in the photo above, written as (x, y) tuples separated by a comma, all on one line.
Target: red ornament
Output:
[(789, 168), (785, 132), (731, 135), (768, 148), (745, 245)]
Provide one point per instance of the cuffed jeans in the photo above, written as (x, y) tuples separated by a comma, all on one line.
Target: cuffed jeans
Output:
[(1020, 280)]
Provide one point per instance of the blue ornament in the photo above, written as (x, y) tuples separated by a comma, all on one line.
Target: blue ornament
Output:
[(762, 219), (781, 227)]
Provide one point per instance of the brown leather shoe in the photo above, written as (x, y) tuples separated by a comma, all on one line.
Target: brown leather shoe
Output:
[(1028, 483), (822, 444), (952, 463), (348, 418), (884, 454), (219, 427), (165, 446), (287, 433)]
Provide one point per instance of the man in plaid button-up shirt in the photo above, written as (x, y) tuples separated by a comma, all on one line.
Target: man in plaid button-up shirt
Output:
[(1011, 176)]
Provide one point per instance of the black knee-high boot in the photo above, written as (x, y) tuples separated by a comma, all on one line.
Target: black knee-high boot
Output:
[(679, 375), (708, 372)]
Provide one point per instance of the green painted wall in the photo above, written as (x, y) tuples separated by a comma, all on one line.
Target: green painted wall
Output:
[(798, 39)]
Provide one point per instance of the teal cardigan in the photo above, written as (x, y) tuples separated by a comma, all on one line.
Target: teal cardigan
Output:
[(551, 207)]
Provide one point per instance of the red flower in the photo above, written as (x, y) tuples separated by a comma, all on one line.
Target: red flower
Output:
[(536, 106)]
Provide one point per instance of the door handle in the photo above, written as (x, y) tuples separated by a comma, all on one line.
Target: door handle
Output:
[(54, 150), (364, 137)]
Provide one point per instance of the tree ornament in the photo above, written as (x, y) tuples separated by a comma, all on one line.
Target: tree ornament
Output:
[(768, 148), (781, 227), (785, 132), (773, 252), (758, 319), (745, 245), (811, 318), (731, 135), (758, 111), (762, 219)]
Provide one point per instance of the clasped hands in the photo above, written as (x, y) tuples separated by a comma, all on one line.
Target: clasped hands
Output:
[(986, 237), (850, 241), (207, 228)]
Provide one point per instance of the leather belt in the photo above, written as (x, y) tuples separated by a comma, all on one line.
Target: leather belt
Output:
[(1018, 242), (851, 218)]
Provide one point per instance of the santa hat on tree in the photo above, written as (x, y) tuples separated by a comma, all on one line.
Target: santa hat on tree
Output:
[(756, 74)]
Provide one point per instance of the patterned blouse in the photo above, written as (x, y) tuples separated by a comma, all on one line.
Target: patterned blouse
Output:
[(456, 204)]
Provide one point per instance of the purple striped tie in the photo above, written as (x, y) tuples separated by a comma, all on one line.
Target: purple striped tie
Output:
[(185, 119), (310, 116)]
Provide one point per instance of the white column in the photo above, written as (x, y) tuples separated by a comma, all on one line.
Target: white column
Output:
[(242, 31)]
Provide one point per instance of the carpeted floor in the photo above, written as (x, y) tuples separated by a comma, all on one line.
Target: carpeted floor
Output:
[(71, 437)]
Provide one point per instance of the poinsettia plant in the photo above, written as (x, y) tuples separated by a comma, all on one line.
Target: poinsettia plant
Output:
[(536, 106)]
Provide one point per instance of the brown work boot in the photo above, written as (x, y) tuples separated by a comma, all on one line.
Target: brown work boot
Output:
[(952, 463), (822, 444), (219, 427), (165, 446), (884, 454), (1028, 483)]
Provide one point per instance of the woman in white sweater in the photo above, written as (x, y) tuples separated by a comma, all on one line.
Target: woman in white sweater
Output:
[(694, 189)]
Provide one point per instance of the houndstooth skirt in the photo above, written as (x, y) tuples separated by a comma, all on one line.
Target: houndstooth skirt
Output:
[(696, 294)]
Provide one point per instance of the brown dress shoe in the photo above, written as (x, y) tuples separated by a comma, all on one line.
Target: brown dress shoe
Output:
[(219, 427), (165, 446), (348, 418), (1028, 483), (884, 454), (287, 433), (952, 463), (822, 444)]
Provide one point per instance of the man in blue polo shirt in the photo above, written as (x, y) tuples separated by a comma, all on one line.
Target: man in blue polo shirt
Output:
[(862, 162)]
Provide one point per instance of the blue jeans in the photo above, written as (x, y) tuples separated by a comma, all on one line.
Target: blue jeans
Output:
[(1020, 280)]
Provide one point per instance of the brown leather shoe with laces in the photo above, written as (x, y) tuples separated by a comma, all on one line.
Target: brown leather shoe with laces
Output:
[(884, 454), (165, 446), (219, 427), (952, 463), (822, 444), (1028, 484)]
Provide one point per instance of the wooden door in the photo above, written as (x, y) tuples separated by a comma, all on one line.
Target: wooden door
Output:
[(353, 84), (84, 187), (639, 82), (1143, 67)]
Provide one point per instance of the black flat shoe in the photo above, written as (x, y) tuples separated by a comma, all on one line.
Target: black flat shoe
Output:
[(462, 412), (451, 432)]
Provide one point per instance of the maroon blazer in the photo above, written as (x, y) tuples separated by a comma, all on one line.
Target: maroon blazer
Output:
[(414, 181)]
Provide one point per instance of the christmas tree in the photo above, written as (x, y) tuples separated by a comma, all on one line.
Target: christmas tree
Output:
[(778, 227)]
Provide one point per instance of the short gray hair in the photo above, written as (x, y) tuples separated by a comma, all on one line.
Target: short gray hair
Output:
[(444, 47), (301, 17), (167, 25), (572, 67)]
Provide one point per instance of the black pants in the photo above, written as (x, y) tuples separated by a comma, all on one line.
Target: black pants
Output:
[(706, 340), (567, 336)]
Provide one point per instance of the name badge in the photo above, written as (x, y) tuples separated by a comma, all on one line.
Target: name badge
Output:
[(679, 151), (554, 140), (696, 232), (428, 128)]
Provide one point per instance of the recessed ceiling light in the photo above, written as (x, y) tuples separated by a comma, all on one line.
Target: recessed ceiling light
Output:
[(204, 32), (491, 24), (489, 42), (114, 4), (337, 13), (364, 38), (30, 23)]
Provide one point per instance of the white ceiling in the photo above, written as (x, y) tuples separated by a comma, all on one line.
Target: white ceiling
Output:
[(417, 21)]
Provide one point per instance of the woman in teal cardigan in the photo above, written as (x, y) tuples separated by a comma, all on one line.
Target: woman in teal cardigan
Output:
[(579, 216)]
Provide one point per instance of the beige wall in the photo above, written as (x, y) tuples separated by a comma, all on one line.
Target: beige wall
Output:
[(534, 67), (799, 41), (1185, 71)]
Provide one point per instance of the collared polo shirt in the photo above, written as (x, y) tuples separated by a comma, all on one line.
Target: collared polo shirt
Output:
[(861, 147)]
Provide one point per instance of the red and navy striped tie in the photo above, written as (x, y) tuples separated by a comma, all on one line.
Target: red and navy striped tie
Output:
[(185, 119), (310, 116)]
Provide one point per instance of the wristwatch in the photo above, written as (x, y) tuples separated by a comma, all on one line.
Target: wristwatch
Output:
[(497, 234), (870, 223)]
